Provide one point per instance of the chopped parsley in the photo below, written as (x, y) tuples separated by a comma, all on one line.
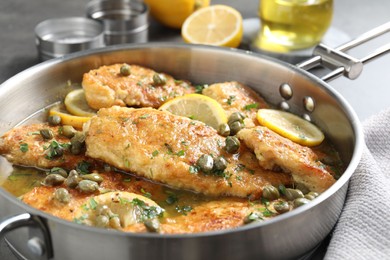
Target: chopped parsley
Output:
[(55, 149), (155, 153), (23, 147), (282, 189), (231, 99), (145, 193), (180, 153), (83, 167), (199, 88), (251, 106), (147, 212), (81, 219), (92, 203), (144, 116), (126, 180)]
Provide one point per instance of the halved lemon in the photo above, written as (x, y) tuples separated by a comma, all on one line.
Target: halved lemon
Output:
[(76, 104), (291, 126), (172, 13), (197, 107), (218, 25), (68, 119)]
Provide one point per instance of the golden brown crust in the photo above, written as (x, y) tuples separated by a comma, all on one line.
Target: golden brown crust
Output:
[(106, 87), (218, 214), (25, 146), (163, 147), (273, 150), (236, 97)]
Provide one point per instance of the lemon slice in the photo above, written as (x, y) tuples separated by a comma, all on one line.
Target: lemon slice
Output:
[(197, 107), (172, 13), (68, 119), (291, 126), (76, 104), (218, 25)]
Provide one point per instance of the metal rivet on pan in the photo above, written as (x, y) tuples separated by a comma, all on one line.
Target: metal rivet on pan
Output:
[(306, 117), (284, 106), (286, 91), (308, 103)]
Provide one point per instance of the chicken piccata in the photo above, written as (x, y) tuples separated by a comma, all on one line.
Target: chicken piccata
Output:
[(135, 168)]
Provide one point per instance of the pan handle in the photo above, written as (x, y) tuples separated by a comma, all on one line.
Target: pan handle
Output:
[(38, 246), (341, 63)]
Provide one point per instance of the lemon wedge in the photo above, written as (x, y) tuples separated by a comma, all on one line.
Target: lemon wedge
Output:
[(197, 107), (68, 119), (218, 25), (77, 105), (291, 126), (172, 13)]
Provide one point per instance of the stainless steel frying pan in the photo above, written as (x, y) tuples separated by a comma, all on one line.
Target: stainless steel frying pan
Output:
[(37, 235)]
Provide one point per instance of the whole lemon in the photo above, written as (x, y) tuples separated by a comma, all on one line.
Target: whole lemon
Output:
[(172, 13)]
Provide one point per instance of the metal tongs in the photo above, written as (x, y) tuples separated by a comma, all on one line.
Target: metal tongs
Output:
[(341, 63)]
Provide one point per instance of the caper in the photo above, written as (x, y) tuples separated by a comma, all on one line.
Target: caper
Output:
[(76, 148), (73, 179), (293, 194), (235, 127), (58, 170), (281, 206), (115, 222), (152, 225), (236, 116), (270, 192), (68, 131), (54, 120), (88, 186), (92, 177), (302, 188), (205, 163), (125, 70), (224, 130), (79, 137), (46, 134), (102, 221), (311, 195), (53, 180), (62, 195), (220, 163), (300, 201), (159, 79), (77, 143), (232, 144), (103, 210)]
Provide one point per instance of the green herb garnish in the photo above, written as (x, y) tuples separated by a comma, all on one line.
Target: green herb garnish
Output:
[(251, 106), (23, 147)]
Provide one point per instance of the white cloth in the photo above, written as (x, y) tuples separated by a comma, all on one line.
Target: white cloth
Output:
[(363, 230)]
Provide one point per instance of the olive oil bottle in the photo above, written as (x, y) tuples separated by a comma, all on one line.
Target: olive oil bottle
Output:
[(288, 25)]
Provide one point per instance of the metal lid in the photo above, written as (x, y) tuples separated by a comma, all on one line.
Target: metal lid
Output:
[(60, 36)]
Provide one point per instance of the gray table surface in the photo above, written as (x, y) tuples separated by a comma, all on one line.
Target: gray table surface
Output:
[(368, 94)]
